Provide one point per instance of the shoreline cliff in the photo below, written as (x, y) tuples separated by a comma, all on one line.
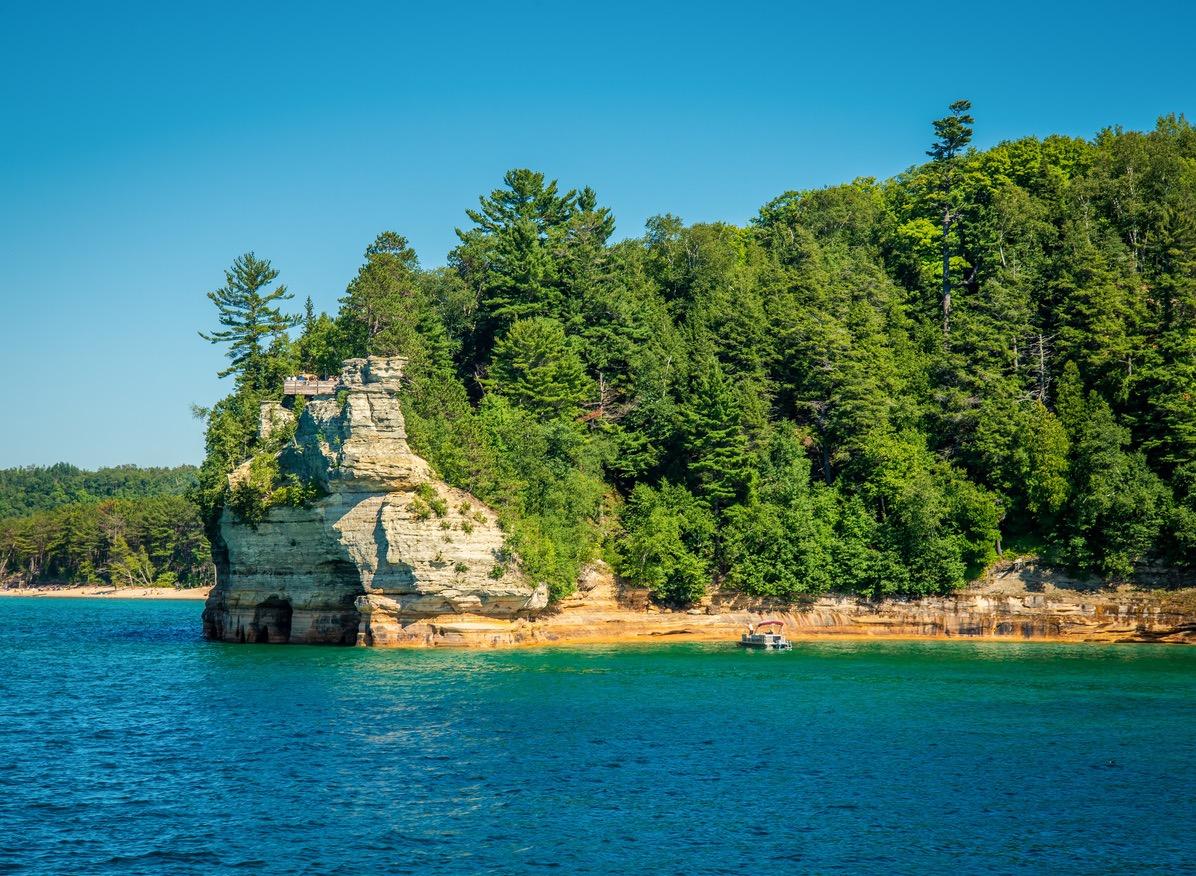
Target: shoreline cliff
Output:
[(386, 541), (389, 555), (1011, 606)]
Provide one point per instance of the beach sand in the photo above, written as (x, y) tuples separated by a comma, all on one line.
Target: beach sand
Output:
[(91, 591)]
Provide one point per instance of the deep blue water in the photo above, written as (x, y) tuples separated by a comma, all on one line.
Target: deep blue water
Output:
[(129, 745)]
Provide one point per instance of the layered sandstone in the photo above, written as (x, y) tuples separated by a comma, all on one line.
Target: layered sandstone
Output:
[(1009, 605), (386, 545)]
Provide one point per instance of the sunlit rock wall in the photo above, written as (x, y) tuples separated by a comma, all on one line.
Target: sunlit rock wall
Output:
[(387, 544)]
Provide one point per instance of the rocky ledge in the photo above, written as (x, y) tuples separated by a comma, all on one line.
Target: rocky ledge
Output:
[(1025, 603), (386, 545)]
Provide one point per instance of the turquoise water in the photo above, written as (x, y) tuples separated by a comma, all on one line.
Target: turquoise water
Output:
[(129, 745)]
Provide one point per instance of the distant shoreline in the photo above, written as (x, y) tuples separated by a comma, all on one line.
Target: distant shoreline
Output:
[(101, 591)]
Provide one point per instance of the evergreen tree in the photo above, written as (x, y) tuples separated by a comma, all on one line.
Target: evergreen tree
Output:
[(1169, 382), (511, 256), (537, 368), (249, 312), (1118, 506), (319, 349), (714, 441), (952, 133), (378, 310)]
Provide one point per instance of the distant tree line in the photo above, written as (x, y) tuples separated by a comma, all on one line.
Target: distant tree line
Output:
[(41, 488), (123, 525), (874, 387)]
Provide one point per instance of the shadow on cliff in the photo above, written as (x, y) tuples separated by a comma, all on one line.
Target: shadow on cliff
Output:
[(404, 573)]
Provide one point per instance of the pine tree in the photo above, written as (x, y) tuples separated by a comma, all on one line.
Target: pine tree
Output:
[(1099, 312), (511, 255), (376, 311), (1118, 505), (953, 133), (249, 312), (584, 262), (523, 277), (715, 444), (537, 368), (1070, 403), (526, 196), (1170, 382), (319, 348)]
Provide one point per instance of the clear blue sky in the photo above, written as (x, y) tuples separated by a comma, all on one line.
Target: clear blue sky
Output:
[(144, 145)]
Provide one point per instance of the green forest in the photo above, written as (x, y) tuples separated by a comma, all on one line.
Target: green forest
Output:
[(874, 388), (123, 525)]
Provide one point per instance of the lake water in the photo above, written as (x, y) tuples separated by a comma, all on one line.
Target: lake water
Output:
[(129, 745)]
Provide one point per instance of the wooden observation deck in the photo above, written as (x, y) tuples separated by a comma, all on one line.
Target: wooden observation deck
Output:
[(309, 384)]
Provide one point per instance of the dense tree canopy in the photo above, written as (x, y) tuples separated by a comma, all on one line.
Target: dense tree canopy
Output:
[(872, 388), (123, 525), (38, 488)]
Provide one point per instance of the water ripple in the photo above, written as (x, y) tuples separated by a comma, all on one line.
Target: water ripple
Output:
[(130, 746)]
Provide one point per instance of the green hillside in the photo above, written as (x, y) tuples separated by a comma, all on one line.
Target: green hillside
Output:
[(867, 389)]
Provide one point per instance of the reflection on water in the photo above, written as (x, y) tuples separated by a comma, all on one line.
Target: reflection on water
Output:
[(129, 745)]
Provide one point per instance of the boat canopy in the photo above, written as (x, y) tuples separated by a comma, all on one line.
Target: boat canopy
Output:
[(770, 623)]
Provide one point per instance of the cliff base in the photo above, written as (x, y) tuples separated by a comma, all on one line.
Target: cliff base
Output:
[(1010, 604)]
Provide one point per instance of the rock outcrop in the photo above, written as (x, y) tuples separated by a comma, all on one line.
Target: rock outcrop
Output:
[(1014, 608), (391, 555), (386, 545)]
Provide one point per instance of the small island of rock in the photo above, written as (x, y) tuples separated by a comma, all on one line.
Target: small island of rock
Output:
[(385, 544)]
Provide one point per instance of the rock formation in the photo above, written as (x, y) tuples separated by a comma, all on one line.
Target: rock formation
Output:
[(1021, 603), (386, 545), (391, 555)]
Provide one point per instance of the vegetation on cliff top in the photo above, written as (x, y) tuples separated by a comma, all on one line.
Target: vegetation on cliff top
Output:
[(863, 390)]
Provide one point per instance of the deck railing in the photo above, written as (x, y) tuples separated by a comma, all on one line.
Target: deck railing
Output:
[(303, 386)]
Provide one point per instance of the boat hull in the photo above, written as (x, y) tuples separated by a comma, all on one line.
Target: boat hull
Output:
[(766, 646)]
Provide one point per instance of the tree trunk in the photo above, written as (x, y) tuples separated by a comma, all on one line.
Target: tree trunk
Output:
[(946, 272), (1042, 387)]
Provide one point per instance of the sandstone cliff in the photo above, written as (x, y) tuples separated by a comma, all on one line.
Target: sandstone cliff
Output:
[(1022, 603), (390, 555), (386, 545)]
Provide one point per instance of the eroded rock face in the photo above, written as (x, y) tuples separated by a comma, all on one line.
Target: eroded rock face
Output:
[(387, 545)]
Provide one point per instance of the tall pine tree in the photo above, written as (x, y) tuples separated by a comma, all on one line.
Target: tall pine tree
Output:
[(252, 320)]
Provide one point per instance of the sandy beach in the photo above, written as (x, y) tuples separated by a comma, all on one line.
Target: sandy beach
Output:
[(92, 591)]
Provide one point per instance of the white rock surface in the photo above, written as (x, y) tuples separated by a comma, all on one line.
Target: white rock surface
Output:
[(371, 555)]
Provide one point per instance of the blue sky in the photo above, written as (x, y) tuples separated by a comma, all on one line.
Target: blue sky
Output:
[(143, 146)]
